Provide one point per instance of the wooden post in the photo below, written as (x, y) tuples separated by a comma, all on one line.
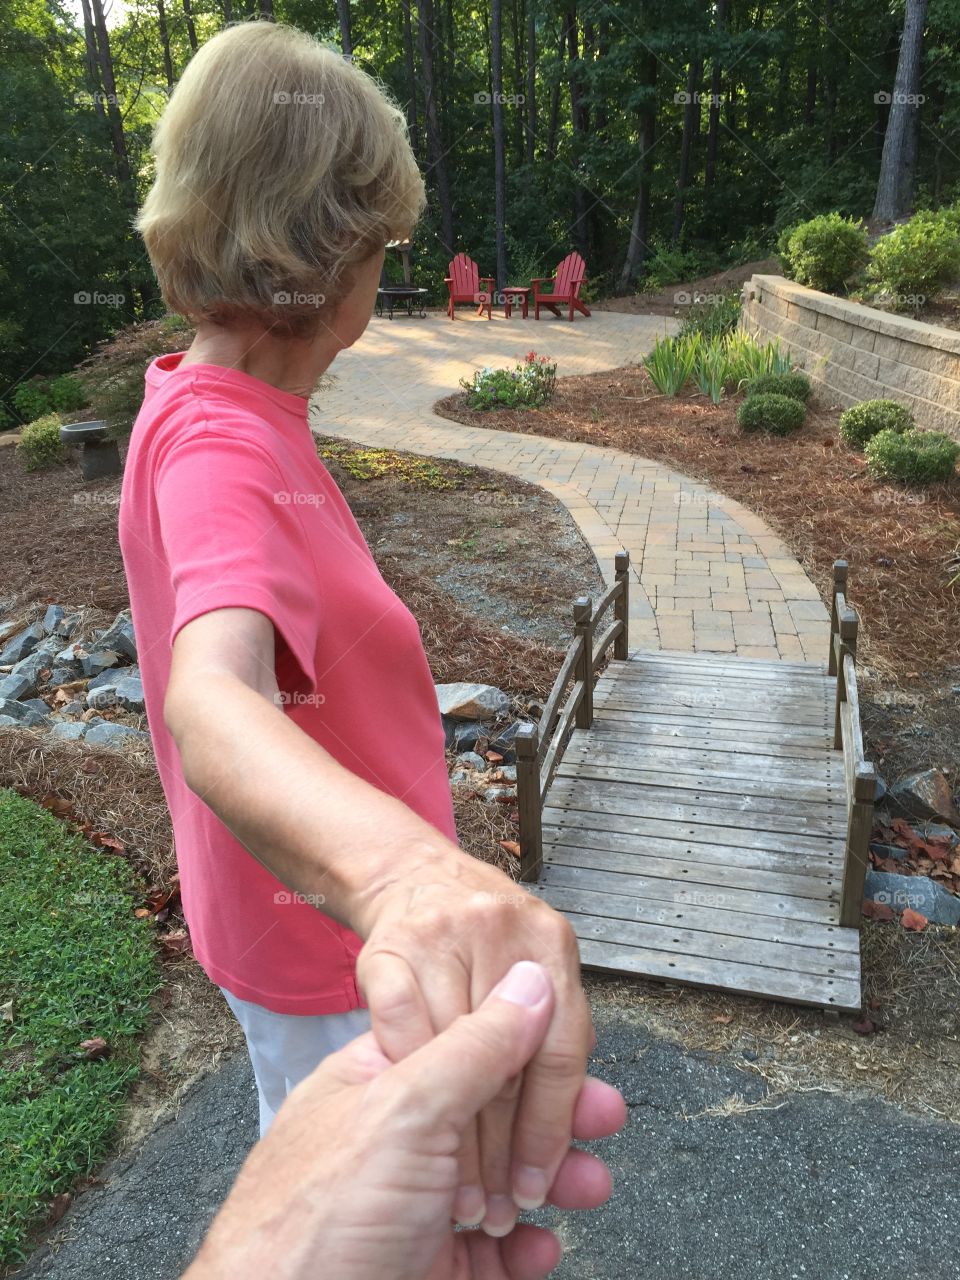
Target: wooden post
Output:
[(857, 853), (840, 568), (529, 802), (583, 671), (621, 606), (849, 625)]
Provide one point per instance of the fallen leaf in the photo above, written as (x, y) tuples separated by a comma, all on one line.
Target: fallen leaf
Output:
[(913, 920), (877, 910), (865, 1027), (90, 766), (510, 846), (142, 913), (95, 1048), (106, 841), (59, 807), (177, 941)]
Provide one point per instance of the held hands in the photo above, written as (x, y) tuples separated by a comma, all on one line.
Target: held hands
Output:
[(358, 1174), (440, 936)]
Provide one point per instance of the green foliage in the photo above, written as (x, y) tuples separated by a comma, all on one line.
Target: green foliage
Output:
[(669, 264), (750, 359), (370, 464), (863, 421), (777, 415), (77, 965), (40, 445), (711, 315), (824, 252), (711, 368), (794, 384), (716, 364), (912, 457), (671, 362), (527, 386), (917, 259), (32, 399), (67, 394)]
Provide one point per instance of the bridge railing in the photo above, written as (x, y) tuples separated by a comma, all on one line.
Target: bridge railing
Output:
[(860, 777), (540, 747)]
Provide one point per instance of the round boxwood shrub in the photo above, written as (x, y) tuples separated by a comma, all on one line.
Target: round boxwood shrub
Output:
[(862, 422), (792, 384), (779, 415), (823, 252), (918, 259), (912, 457), (40, 444)]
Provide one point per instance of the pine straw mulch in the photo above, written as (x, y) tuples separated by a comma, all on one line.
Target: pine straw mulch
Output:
[(812, 491)]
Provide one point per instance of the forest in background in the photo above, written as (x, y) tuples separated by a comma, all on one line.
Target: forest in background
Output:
[(663, 139)]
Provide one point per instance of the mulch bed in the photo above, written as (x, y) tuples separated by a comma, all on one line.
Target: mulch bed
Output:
[(814, 493)]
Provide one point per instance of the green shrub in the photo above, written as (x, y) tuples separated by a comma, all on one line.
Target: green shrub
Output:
[(912, 457), (793, 384), (917, 259), (527, 386), (67, 394), (778, 415), (32, 400), (40, 445), (863, 421), (712, 314), (823, 252)]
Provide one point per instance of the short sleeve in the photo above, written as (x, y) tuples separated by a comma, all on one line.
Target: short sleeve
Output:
[(233, 538)]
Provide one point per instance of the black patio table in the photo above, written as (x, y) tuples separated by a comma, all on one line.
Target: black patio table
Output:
[(401, 295)]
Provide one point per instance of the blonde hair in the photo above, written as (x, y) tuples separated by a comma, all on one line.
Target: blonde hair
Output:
[(278, 166)]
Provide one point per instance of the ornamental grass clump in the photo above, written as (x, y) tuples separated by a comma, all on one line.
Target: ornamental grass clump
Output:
[(527, 386), (865, 420), (777, 415), (912, 457)]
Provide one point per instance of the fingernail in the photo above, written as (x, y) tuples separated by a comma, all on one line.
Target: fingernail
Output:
[(469, 1206), (526, 984), (501, 1216), (529, 1186)]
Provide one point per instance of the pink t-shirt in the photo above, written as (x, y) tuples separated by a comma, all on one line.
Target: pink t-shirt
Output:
[(226, 504)]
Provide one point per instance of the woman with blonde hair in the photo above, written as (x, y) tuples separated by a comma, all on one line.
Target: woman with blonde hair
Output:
[(293, 713)]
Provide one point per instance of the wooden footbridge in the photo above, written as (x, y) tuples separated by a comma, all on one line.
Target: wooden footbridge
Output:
[(699, 818)]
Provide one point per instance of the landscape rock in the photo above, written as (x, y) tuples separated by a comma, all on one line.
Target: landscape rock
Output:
[(104, 678), (8, 722), (72, 655), (99, 659), (471, 760), (509, 772), (107, 734), (119, 635), (881, 790), (888, 851), (462, 735), (40, 659), (940, 831), (125, 689), (63, 675), (20, 713), (504, 741), (16, 686), (66, 626), (493, 794), (21, 644), (925, 795), (69, 730), (458, 775), (38, 705), (466, 701), (74, 708), (919, 893), (53, 617)]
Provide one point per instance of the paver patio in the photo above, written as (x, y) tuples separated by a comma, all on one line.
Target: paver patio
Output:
[(707, 574)]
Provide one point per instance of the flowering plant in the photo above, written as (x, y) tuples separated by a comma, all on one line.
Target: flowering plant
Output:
[(528, 385)]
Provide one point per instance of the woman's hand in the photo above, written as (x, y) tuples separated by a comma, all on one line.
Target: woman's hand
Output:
[(439, 936), (358, 1173)]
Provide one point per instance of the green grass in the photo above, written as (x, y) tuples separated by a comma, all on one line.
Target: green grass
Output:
[(76, 964)]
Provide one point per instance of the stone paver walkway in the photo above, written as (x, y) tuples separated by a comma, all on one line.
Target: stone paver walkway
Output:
[(707, 574)]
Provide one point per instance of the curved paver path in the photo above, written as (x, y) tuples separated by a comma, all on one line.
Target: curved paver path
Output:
[(707, 574)]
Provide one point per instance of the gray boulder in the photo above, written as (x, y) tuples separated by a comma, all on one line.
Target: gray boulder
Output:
[(119, 635), (463, 735), (104, 678), (8, 722), (53, 617), (125, 689), (21, 713), (62, 675), (470, 760), (504, 742), (466, 701), (21, 644), (38, 705), (509, 772), (16, 686), (36, 661), (920, 893), (107, 734), (74, 708), (97, 660), (66, 626), (69, 730), (925, 795), (493, 794), (458, 775)]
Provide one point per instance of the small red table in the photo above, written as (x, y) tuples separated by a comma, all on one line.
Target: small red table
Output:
[(515, 296)]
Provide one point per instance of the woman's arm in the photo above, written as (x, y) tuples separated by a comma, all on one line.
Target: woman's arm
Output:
[(440, 928)]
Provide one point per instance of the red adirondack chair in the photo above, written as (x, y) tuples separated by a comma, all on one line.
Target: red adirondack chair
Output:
[(464, 283), (565, 287)]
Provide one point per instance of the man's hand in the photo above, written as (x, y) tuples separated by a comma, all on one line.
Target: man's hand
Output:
[(358, 1173), (440, 936)]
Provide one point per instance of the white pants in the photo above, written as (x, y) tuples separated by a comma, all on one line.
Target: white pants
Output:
[(285, 1047)]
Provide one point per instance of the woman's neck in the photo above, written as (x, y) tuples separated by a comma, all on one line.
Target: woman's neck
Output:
[(290, 364)]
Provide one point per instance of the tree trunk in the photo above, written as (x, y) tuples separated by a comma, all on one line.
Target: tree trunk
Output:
[(691, 126), (499, 142), (531, 103), (830, 83), (411, 79), (92, 59), (227, 12), (165, 44), (579, 230), (638, 247), (554, 124), (435, 156), (105, 63), (895, 185), (716, 79), (191, 27), (343, 15)]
